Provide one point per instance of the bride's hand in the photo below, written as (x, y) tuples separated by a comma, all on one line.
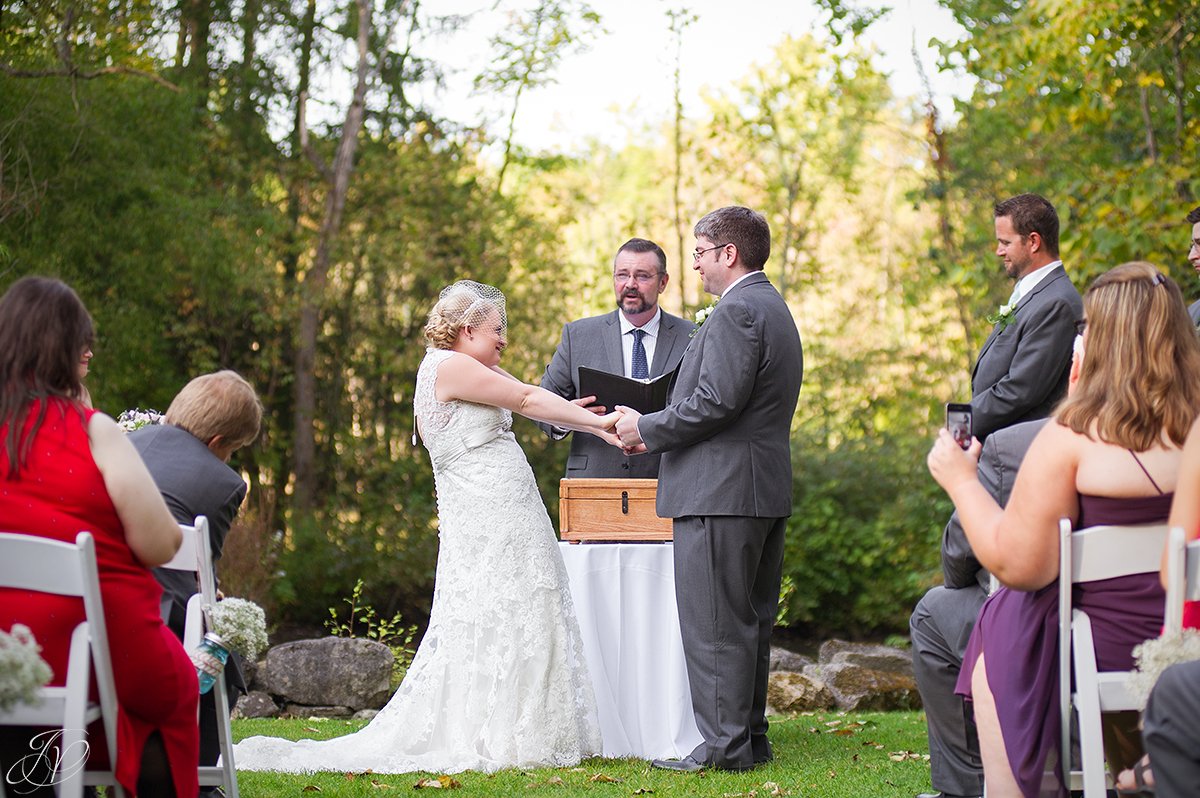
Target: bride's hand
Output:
[(608, 424)]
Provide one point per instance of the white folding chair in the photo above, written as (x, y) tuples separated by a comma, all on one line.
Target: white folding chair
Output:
[(1183, 577), (195, 555), (63, 569), (1101, 552)]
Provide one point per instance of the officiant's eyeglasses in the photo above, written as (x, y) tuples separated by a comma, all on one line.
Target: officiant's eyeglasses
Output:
[(698, 254)]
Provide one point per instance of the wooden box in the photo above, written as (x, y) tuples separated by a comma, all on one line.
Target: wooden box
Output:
[(610, 509)]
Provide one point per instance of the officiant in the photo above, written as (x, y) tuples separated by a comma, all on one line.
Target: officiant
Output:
[(637, 340)]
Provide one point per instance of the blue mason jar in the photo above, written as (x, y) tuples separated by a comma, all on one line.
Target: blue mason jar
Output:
[(209, 659)]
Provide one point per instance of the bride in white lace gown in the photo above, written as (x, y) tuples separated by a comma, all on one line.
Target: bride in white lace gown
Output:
[(499, 679)]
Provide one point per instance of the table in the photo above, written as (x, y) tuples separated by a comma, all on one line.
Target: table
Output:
[(624, 597)]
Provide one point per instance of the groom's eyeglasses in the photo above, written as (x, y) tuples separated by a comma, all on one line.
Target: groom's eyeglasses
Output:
[(698, 254)]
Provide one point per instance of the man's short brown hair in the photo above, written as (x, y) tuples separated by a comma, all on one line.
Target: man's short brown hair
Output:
[(222, 403)]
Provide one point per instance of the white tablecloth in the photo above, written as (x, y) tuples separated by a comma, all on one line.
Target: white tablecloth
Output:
[(625, 598)]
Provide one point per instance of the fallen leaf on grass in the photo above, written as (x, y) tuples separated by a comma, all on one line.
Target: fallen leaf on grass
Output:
[(846, 732), (900, 756), (379, 785), (311, 729), (605, 779), (439, 783), (553, 781), (643, 791), (774, 789), (311, 788)]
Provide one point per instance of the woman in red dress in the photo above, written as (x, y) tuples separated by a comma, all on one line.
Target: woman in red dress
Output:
[(64, 469)]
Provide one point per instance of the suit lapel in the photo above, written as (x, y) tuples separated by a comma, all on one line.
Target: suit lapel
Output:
[(612, 345), (1057, 273)]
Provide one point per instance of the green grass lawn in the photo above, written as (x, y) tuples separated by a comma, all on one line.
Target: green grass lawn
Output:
[(817, 755)]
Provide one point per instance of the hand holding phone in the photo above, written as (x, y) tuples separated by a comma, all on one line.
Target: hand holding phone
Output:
[(958, 421)]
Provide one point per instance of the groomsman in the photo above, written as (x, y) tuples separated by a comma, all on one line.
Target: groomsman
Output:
[(727, 482), (638, 340), (1021, 372), (1193, 219)]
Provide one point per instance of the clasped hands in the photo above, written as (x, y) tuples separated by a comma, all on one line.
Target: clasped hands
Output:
[(620, 426)]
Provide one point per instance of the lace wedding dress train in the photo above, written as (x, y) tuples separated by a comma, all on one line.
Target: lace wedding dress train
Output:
[(499, 679)]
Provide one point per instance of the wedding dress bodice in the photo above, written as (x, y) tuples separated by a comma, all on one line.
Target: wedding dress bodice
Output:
[(499, 679)]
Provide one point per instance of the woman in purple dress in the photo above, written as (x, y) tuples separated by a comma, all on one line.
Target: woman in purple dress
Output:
[(1111, 455)]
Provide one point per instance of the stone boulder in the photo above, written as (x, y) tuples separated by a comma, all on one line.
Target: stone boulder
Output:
[(330, 672), (784, 660), (867, 655), (256, 704), (860, 689), (846, 676), (788, 691)]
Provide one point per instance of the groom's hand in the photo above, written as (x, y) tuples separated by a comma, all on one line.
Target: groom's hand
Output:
[(627, 429)]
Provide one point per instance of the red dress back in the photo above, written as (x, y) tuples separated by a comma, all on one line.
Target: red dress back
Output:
[(59, 493)]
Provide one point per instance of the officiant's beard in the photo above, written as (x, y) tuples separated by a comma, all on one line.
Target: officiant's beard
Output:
[(641, 304)]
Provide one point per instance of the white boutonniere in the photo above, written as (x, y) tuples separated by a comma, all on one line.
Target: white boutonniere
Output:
[(702, 314), (1004, 315)]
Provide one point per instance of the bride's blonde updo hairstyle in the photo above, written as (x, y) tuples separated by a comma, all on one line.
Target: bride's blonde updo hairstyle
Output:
[(465, 304)]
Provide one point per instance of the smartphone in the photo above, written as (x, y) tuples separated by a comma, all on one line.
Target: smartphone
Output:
[(958, 421)]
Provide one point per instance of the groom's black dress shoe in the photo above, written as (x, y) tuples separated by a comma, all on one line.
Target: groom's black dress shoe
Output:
[(689, 764)]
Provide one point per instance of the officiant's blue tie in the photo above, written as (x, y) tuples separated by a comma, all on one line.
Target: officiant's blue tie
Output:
[(640, 370)]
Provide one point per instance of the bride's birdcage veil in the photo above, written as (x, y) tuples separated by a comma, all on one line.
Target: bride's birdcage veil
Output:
[(466, 303)]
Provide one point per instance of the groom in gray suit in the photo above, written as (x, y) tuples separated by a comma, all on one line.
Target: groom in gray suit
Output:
[(610, 343), (1022, 369), (727, 482)]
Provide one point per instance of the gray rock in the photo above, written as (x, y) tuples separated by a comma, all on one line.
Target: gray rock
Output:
[(788, 691), (256, 704), (858, 689), (784, 660), (366, 714), (330, 672), (305, 711), (251, 672)]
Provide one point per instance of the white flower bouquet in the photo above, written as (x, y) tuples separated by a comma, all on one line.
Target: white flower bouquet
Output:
[(22, 669), (241, 625), (1156, 655), (138, 418)]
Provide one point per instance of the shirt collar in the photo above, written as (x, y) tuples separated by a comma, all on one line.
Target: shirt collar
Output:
[(1030, 281), (729, 287), (650, 327)]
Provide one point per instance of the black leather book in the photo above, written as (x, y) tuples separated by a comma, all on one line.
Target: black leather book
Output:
[(610, 390)]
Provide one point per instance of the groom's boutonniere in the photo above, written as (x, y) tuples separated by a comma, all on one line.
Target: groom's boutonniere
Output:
[(702, 314), (1004, 315)]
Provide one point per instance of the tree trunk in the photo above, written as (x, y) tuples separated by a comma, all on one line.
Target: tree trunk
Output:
[(312, 291)]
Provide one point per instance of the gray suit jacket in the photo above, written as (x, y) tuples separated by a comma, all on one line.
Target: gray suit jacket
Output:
[(595, 342), (1194, 312), (192, 481), (726, 431), (1023, 368), (1002, 454)]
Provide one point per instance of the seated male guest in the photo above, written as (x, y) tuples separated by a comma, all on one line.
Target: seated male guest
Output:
[(942, 622), (211, 418)]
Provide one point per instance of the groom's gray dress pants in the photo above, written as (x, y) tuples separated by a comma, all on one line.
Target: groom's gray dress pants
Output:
[(940, 625), (727, 575)]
